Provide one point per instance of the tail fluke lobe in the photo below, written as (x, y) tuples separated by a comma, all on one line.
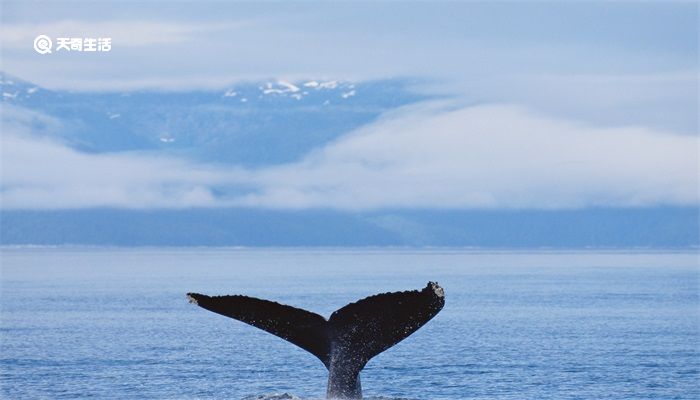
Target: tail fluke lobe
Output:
[(300, 327), (363, 329), (378, 322)]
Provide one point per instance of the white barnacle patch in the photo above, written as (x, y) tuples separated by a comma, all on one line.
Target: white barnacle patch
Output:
[(440, 292), (437, 289), (191, 299)]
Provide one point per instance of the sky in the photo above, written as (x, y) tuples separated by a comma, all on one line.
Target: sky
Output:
[(552, 104)]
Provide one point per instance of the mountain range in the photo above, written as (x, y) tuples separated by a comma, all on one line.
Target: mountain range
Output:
[(248, 124)]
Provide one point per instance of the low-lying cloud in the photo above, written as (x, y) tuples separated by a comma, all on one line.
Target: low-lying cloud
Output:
[(425, 156), (42, 174)]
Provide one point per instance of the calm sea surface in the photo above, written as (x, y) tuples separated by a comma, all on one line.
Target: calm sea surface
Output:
[(107, 323)]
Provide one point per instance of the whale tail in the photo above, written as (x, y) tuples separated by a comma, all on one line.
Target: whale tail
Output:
[(348, 339)]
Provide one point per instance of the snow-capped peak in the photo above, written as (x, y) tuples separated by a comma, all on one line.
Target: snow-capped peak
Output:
[(328, 85), (288, 85), (279, 87), (284, 88)]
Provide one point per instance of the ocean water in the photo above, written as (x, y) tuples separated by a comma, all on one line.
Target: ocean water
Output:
[(108, 323)]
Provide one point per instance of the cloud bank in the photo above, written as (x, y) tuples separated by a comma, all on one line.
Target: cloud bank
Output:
[(431, 155), (609, 62)]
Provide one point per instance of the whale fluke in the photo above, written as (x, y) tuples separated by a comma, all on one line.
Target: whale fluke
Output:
[(300, 327), (348, 339)]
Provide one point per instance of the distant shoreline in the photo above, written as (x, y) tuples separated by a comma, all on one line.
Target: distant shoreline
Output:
[(426, 249)]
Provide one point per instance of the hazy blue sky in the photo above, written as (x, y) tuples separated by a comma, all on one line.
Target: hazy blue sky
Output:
[(613, 62), (564, 79)]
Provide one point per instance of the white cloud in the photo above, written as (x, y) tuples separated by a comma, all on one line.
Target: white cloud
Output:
[(128, 33), (41, 174), (427, 156), (521, 55), (487, 157)]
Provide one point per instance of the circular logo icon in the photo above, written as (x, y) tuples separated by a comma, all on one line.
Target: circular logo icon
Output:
[(43, 44)]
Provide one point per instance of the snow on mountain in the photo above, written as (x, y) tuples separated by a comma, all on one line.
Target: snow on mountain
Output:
[(328, 85), (287, 89), (288, 85)]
